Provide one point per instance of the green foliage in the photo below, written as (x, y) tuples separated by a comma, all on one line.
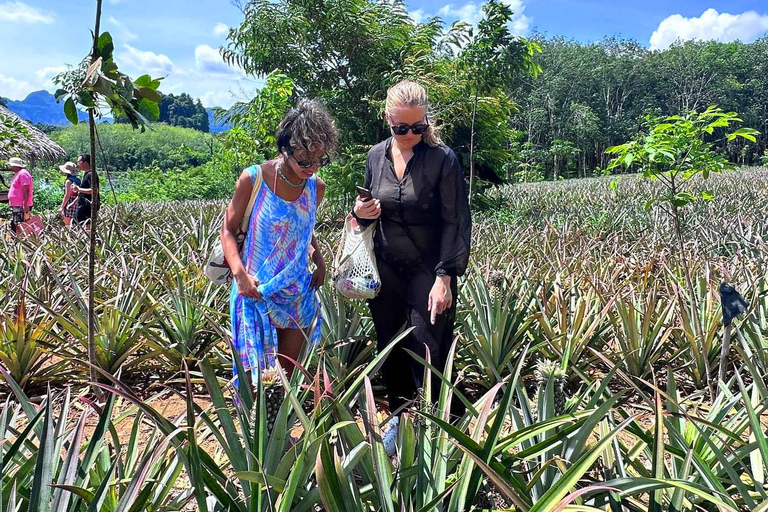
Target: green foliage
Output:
[(55, 464), (12, 131), (335, 50), (97, 78), (49, 189), (348, 52), (208, 181), (677, 148), (252, 138), (183, 111), (167, 147), (346, 171)]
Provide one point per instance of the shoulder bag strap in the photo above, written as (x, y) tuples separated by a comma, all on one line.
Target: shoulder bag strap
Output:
[(257, 179)]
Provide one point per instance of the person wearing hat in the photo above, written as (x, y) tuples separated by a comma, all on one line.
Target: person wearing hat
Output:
[(69, 203), (19, 193)]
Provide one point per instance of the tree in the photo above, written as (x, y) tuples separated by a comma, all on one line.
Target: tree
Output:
[(336, 51), (256, 121), (492, 59), (11, 132), (97, 84), (184, 111), (674, 150)]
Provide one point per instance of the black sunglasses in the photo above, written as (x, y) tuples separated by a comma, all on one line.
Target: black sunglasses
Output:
[(306, 164), (402, 128)]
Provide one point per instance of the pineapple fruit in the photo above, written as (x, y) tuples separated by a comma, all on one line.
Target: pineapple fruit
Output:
[(496, 282), (547, 370), (273, 395)]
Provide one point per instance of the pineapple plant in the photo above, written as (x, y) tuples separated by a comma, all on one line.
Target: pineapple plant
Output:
[(548, 370)]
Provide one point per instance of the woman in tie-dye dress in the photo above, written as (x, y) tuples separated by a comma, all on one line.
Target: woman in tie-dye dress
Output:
[(273, 305)]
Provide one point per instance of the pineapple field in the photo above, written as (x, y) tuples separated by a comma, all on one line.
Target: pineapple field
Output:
[(588, 351)]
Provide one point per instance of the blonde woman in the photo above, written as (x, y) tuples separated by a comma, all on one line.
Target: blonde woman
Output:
[(422, 242)]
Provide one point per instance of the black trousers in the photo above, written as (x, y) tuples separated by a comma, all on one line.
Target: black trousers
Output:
[(83, 214), (401, 303)]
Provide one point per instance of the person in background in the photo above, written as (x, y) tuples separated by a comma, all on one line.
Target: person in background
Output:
[(69, 204), (84, 191), (421, 244), (20, 193), (273, 303)]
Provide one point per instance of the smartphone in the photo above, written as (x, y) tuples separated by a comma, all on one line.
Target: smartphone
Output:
[(364, 193)]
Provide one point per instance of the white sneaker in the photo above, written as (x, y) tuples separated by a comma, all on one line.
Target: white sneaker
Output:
[(390, 437)]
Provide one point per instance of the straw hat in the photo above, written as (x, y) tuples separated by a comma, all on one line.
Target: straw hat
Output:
[(68, 168), (16, 162)]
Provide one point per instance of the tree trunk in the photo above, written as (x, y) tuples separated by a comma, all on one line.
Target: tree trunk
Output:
[(94, 217), (694, 304)]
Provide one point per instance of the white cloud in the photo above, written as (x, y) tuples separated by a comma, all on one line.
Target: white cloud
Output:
[(209, 60), (725, 27), (122, 30), (50, 71), (19, 12), (419, 16), (223, 99), (473, 12), (145, 61), (15, 89), (220, 30)]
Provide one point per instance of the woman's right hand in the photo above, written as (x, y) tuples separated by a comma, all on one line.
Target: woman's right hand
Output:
[(247, 285), (370, 209)]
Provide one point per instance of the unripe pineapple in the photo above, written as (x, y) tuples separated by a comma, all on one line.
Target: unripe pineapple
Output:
[(274, 394), (496, 282), (422, 404), (547, 370)]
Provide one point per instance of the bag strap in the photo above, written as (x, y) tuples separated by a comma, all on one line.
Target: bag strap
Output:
[(257, 178), (340, 261)]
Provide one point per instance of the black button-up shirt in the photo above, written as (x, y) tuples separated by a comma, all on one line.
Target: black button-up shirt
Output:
[(425, 219)]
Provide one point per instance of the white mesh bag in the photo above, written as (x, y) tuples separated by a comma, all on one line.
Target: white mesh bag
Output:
[(356, 275)]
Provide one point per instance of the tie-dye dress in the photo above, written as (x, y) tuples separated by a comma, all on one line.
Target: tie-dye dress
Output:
[(276, 252)]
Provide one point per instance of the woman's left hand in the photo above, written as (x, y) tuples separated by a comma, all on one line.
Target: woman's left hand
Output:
[(440, 297), (318, 276)]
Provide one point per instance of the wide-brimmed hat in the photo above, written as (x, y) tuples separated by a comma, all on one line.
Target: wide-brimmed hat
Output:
[(16, 162), (68, 168)]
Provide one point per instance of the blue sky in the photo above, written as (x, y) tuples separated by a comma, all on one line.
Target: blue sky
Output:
[(180, 38)]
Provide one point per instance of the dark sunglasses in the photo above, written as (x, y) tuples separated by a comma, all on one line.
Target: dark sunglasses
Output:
[(306, 164), (402, 128)]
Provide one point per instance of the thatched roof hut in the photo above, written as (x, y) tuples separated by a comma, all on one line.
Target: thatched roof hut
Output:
[(33, 147)]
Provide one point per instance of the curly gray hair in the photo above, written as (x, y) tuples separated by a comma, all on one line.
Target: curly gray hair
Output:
[(308, 126)]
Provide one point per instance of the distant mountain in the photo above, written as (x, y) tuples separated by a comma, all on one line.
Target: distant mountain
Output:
[(213, 126), (41, 107)]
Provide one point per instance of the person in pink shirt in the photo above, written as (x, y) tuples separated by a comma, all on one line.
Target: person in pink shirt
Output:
[(20, 193)]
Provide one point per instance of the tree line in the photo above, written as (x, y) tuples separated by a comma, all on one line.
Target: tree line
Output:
[(589, 97), (512, 108)]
